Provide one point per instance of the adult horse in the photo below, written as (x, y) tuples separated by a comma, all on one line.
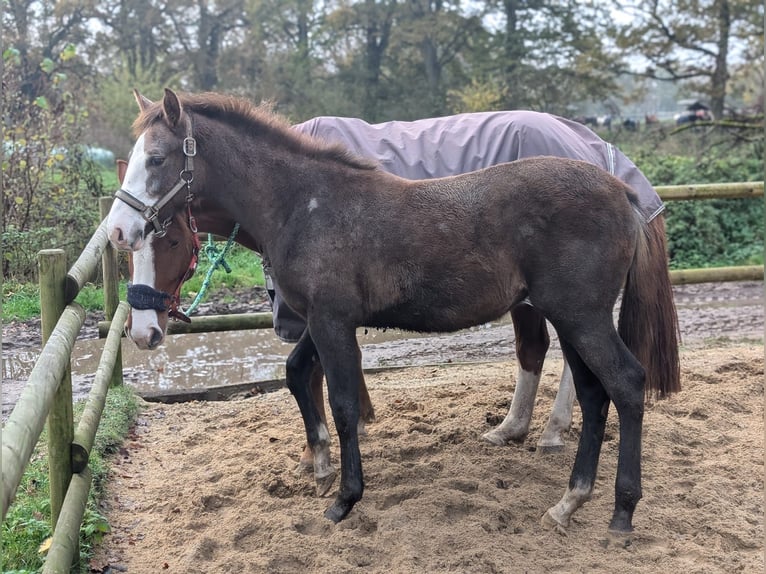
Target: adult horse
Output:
[(353, 246)]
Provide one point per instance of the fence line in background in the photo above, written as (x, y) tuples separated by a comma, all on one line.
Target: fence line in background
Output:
[(710, 191)]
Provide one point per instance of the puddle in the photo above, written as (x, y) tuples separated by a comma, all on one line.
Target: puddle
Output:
[(195, 361)]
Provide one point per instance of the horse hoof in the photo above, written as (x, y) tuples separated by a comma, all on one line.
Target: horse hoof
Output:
[(551, 448), (324, 483), (336, 512), (619, 538), (302, 468), (550, 523), (494, 438)]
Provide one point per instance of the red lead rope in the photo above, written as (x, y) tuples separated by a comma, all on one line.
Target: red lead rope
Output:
[(175, 301)]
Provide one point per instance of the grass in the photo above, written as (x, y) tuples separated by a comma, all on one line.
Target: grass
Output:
[(246, 271), (21, 301), (27, 524)]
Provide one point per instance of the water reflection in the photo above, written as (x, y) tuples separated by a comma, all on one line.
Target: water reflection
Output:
[(200, 360)]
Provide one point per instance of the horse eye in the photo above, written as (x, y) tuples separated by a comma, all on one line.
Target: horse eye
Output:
[(173, 243), (156, 160)]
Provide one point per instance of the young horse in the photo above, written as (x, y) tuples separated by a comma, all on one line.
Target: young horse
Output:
[(163, 264), (353, 246)]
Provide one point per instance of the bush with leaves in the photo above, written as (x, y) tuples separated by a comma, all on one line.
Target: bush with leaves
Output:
[(713, 232), (50, 186)]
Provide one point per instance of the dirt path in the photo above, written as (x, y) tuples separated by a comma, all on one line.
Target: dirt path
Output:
[(210, 487)]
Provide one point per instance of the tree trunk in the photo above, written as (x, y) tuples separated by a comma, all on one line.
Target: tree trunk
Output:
[(720, 74)]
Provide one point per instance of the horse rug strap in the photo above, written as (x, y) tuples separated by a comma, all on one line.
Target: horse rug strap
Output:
[(143, 297)]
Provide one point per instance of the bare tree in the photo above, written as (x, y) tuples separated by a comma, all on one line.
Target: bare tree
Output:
[(690, 40), (202, 31)]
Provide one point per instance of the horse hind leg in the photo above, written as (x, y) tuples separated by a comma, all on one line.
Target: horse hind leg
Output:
[(604, 370), (532, 342), (560, 421), (595, 407)]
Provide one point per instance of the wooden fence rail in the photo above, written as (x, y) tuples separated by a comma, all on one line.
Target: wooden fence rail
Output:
[(48, 394), (710, 191)]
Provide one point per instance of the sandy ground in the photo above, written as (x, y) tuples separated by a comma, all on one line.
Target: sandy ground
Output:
[(211, 487)]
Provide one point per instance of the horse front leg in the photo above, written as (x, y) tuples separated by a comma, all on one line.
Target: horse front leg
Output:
[(341, 358), (532, 343), (316, 378), (367, 411), (300, 366)]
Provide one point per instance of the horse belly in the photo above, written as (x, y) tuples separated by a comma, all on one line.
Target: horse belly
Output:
[(447, 306)]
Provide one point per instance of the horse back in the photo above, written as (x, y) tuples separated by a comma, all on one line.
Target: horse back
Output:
[(444, 254)]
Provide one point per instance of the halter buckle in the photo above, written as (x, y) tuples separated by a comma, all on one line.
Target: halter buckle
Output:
[(190, 146)]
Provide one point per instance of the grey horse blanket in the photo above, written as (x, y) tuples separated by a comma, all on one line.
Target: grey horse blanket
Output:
[(452, 145)]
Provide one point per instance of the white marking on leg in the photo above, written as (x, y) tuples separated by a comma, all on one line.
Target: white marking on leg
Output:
[(322, 465), (313, 204), (560, 420), (573, 498), (516, 424)]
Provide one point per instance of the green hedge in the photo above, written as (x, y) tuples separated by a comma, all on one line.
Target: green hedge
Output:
[(715, 232)]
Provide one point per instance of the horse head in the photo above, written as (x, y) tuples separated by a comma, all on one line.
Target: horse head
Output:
[(158, 269), (158, 175)]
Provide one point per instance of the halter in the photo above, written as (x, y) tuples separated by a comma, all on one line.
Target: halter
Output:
[(151, 212), (143, 297)]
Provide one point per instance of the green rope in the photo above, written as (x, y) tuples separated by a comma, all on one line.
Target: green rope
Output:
[(216, 259)]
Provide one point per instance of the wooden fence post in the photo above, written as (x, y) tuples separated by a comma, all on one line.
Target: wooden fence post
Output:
[(110, 267), (60, 420)]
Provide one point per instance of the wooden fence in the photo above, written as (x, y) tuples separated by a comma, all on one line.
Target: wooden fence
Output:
[(48, 392)]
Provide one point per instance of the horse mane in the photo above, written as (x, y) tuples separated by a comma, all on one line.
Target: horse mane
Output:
[(259, 120)]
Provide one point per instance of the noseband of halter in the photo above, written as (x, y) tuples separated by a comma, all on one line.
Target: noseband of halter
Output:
[(143, 297), (151, 212)]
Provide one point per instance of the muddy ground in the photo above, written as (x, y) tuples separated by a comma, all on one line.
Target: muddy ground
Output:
[(211, 487)]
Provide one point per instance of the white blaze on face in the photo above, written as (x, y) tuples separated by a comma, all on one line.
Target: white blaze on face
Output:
[(145, 324), (125, 226)]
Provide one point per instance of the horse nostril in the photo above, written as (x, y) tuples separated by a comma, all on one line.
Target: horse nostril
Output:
[(117, 236), (156, 338)]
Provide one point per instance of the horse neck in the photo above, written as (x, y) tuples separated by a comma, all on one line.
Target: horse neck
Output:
[(211, 219), (258, 181), (250, 181)]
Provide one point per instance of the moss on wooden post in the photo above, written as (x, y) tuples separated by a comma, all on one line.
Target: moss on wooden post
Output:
[(60, 421)]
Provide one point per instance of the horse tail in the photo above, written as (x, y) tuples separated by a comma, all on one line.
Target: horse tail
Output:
[(648, 321)]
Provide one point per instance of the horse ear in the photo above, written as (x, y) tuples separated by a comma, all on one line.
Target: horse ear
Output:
[(122, 168), (172, 107), (142, 101)]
